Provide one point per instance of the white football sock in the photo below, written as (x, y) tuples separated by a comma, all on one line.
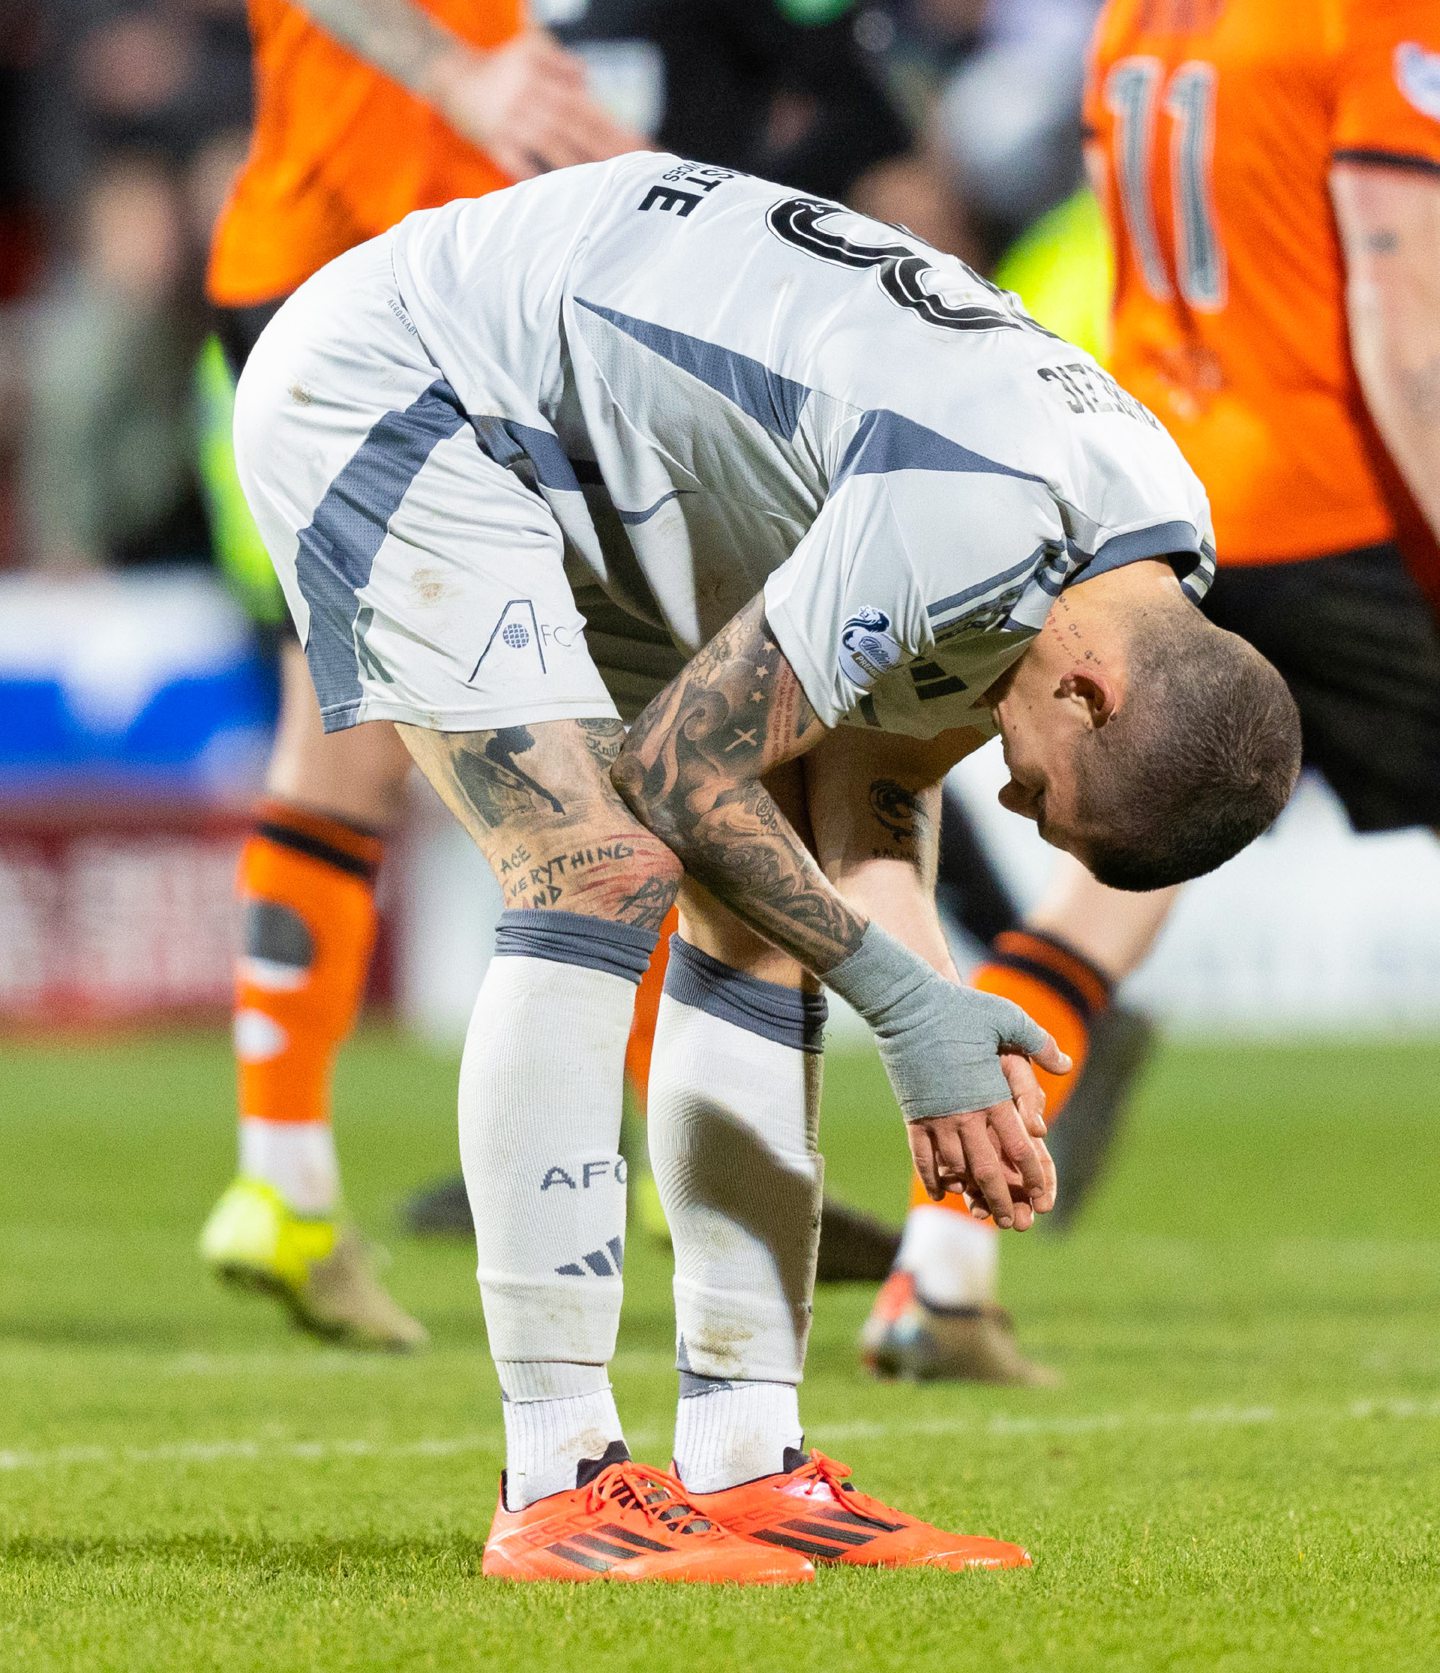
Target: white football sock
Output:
[(954, 1259), (733, 1115), (541, 1086), (297, 1158), (557, 1417), (729, 1432)]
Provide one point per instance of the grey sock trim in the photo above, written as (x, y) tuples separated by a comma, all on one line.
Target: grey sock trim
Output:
[(691, 1386), (694, 1386), (523, 1381), (575, 938), (787, 1017)]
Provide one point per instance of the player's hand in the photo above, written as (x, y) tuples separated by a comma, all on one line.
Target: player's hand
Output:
[(526, 104), (996, 1156)]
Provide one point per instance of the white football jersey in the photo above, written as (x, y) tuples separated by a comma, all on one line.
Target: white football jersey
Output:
[(720, 386)]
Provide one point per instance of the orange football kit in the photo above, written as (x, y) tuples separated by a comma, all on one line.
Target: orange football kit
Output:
[(1213, 125), (339, 151)]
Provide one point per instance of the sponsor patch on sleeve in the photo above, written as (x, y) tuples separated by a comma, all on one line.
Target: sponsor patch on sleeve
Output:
[(867, 648), (1417, 74)]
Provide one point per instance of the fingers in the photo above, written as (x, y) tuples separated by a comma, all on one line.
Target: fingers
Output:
[(1024, 1153), (982, 1162), (923, 1155), (1027, 1092), (519, 165), (993, 1156), (1020, 1032), (1052, 1058)]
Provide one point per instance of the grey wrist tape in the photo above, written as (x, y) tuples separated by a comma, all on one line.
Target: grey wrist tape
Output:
[(940, 1043)]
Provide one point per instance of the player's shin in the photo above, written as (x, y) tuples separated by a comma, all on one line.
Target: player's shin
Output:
[(734, 1105), (307, 887), (540, 1103)]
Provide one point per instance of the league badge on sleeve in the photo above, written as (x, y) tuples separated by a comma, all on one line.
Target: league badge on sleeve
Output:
[(1417, 74), (867, 648)]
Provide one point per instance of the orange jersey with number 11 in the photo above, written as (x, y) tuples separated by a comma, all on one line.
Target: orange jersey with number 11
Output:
[(1212, 127)]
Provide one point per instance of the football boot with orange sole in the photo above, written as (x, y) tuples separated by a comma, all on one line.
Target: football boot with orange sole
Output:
[(813, 1509), (627, 1521)]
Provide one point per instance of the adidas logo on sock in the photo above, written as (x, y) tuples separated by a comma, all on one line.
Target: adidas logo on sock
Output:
[(603, 1263)]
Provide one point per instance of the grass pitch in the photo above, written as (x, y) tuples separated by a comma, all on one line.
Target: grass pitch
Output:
[(1241, 1472)]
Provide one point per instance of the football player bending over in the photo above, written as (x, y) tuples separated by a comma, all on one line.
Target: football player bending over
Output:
[(828, 513)]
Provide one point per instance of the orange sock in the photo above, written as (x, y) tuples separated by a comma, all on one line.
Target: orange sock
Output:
[(647, 1011), (307, 885), (1061, 990)]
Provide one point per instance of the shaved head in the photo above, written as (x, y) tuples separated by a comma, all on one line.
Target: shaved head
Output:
[(1195, 764)]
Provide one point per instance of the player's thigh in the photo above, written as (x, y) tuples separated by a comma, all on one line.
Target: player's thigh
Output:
[(1358, 646), (538, 801), (708, 925)]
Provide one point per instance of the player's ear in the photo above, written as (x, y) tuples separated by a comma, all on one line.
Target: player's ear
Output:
[(1093, 691)]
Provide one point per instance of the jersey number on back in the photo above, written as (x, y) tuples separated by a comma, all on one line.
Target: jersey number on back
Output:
[(1132, 92), (901, 269)]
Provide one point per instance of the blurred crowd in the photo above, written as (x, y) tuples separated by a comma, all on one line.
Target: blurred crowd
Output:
[(122, 123)]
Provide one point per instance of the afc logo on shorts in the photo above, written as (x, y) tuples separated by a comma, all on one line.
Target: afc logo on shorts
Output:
[(519, 633)]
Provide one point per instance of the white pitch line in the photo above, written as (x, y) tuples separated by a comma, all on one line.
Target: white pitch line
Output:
[(999, 1426)]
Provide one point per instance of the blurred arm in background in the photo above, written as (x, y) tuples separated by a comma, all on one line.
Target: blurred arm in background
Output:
[(1390, 225), (524, 103)]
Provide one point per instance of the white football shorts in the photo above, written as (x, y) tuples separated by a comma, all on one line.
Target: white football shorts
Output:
[(424, 573)]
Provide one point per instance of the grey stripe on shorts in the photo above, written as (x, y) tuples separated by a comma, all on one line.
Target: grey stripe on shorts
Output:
[(337, 550)]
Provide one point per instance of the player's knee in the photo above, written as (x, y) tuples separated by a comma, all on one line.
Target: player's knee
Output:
[(631, 779), (606, 868), (649, 880)]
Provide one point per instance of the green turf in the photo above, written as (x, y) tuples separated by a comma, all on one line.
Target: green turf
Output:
[(1241, 1471)]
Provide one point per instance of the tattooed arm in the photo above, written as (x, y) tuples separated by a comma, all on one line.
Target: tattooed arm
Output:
[(691, 771), (524, 102), (1390, 226), (875, 809)]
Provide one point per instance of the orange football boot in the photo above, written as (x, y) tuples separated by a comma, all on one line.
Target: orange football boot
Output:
[(631, 1522), (814, 1508)]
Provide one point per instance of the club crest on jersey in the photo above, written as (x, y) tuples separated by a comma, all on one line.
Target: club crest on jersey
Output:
[(1417, 74), (867, 648)]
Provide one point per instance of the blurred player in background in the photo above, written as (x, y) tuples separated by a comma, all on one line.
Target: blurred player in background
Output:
[(792, 90), (1271, 178), (365, 110)]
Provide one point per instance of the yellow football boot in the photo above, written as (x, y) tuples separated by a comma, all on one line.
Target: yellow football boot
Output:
[(320, 1270)]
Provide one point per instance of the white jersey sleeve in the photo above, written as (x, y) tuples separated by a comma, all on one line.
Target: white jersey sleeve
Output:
[(872, 607)]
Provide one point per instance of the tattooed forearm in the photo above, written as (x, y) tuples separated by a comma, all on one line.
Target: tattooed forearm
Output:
[(394, 35), (691, 772)]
